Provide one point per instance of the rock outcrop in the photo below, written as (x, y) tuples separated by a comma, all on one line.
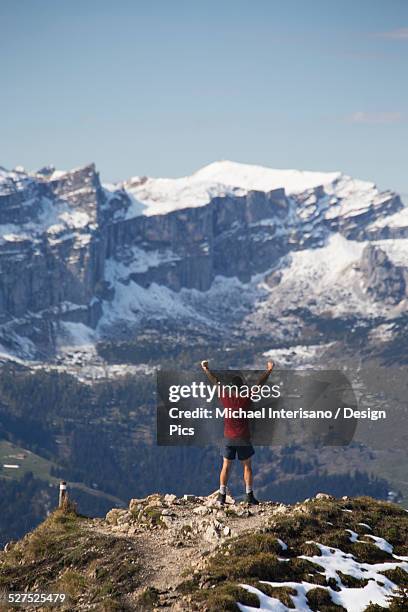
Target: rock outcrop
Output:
[(383, 280)]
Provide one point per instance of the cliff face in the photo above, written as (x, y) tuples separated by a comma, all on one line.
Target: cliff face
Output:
[(74, 251), (230, 236), (51, 252), (384, 280), (47, 253), (169, 553)]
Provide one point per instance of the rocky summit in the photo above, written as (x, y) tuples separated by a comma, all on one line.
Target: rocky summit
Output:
[(188, 553)]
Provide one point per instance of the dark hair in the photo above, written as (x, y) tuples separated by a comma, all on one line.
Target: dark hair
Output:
[(237, 381)]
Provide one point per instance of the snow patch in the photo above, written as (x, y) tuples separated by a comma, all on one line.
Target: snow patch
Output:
[(333, 561), (298, 355), (325, 265), (75, 335), (382, 333), (396, 249), (381, 543), (132, 303), (161, 195), (395, 221), (137, 260)]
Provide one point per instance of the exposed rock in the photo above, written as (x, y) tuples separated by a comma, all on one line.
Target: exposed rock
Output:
[(281, 509), (169, 498), (167, 520), (135, 504), (323, 496), (188, 497), (202, 510), (113, 515), (123, 517), (211, 533), (383, 280), (155, 498), (211, 500)]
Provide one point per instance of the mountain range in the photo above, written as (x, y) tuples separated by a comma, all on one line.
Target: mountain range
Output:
[(102, 284), (231, 250)]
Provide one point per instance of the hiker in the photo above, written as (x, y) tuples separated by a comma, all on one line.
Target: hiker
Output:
[(237, 436)]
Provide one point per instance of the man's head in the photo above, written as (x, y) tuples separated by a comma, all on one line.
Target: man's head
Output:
[(237, 381)]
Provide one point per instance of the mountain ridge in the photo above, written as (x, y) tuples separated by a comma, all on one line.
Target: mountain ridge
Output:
[(89, 266), (188, 553)]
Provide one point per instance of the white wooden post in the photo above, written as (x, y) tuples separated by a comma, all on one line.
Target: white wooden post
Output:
[(63, 494)]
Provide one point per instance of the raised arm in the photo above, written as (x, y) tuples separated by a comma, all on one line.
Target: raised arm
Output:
[(212, 377), (264, 377)]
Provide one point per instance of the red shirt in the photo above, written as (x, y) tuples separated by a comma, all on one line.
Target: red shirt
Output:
[(236, 428)]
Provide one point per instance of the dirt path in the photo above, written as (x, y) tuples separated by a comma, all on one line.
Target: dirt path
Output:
[(170, 553)]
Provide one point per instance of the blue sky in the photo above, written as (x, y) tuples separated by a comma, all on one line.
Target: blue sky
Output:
[(161, 88)]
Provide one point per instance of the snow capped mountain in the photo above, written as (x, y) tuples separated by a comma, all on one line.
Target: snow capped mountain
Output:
[(232, 247), (160, 196)]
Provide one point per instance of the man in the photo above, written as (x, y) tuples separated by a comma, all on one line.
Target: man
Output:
[(237, 435)]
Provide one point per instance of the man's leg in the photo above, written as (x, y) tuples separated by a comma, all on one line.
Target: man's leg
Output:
[(248, 476), (248, 479), (224, 475)]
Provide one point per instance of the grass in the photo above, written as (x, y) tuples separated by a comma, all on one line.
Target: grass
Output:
[(224, 598), (256, 543), (386, 520), (62, 553), (230, 512), (351, 582), (320, 600), (282, 593), (398, 576), (148, 599), (71, 582), (28, 462), (150, 515), (254, 557), (248, 559)]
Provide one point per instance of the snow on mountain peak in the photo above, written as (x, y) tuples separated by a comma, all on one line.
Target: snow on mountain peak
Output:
[(261, 178), (154, 196)]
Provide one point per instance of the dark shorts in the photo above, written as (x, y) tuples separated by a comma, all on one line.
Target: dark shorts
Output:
[(243, 451)]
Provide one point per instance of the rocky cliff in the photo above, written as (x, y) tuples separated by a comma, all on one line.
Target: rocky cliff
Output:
[(169, 553), (79, 260)]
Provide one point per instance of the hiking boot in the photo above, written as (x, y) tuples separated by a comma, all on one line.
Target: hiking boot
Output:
[(221, 497), (251, 499)]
